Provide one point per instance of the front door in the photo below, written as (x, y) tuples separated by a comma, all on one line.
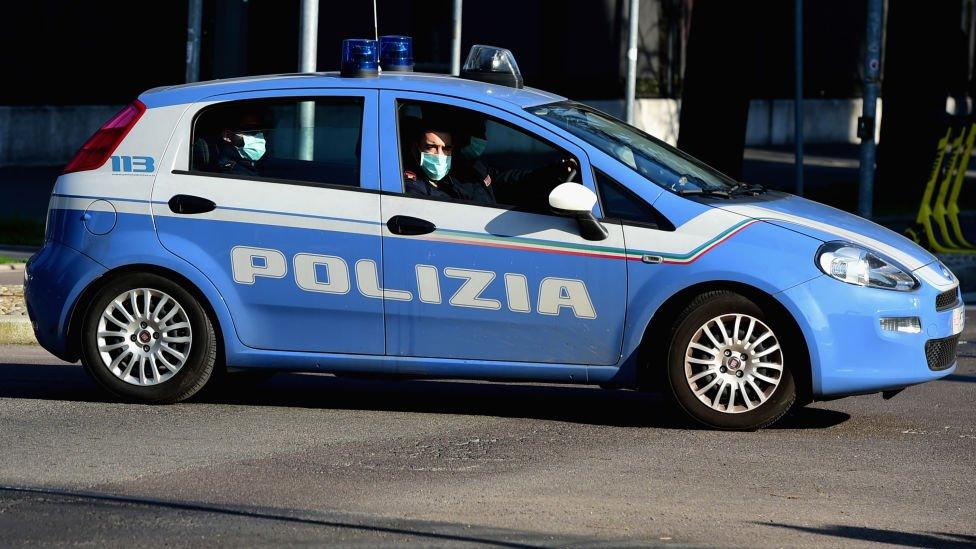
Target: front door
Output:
[(276, 200), (500, 279)]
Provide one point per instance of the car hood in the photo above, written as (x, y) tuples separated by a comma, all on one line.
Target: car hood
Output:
[(826, 223)]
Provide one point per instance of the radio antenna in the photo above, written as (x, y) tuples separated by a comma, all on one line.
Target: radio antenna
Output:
[(376, 27)]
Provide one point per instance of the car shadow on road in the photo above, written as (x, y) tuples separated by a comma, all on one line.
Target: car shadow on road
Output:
[(878, 535), (569, 403), (73, 511), (957, 377)]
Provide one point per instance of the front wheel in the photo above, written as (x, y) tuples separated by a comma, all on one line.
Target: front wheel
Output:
[(145, 338), (729, 363)]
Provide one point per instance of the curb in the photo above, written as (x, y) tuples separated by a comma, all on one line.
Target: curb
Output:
[(16, 331), (13, 267)]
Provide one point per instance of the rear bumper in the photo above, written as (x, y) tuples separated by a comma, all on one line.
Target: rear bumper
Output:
[(850, 352), (55, 278)]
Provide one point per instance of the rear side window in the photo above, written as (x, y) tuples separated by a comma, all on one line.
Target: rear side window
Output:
[(307, 141)]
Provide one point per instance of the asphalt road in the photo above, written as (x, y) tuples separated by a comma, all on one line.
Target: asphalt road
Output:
[(304, 459)]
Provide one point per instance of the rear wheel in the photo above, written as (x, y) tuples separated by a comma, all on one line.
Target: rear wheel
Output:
[(145, 338), (729, 364)]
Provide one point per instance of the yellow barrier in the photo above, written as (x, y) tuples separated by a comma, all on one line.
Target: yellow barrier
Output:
[(952, 208), (938, 216)]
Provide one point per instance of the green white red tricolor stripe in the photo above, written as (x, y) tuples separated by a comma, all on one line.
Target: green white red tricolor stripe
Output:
[(582, 250)]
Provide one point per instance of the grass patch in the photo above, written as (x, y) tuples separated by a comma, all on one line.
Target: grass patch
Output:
[(4, 260), (21, 232)]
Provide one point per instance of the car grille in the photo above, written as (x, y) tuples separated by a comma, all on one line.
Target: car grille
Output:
[(941, 353), (947, 300)]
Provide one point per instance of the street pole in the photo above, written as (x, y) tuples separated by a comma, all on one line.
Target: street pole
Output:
[(193, 23), (798, 99), (866, 124), (456, 38), (632, 61), (309, 37), (308, 62)]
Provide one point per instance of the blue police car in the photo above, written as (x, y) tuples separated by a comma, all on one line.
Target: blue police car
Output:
[(382, 221)]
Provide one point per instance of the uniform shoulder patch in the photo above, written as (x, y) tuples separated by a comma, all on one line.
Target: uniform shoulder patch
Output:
[(409, 174)]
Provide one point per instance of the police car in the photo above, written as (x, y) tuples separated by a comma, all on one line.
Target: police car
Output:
[(265, 223)]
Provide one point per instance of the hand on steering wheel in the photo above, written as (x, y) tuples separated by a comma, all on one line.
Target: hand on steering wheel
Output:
[(568, 169)]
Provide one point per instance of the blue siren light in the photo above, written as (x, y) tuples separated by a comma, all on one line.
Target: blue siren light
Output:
[(360, 57), (396, 53), (492, 65)]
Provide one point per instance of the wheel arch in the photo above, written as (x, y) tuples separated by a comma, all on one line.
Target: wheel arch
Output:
[(654, 345), (80, 308)]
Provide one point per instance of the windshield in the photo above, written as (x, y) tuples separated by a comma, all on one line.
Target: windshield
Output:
[(652, 158)]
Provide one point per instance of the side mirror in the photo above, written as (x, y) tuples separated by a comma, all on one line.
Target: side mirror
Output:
[(575, 200)]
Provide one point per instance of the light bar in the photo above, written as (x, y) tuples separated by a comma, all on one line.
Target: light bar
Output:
[(396, 53), (360, 57), (492, 65)]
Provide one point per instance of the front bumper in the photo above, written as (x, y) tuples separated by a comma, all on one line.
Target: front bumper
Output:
[(54, 279), (851, 353)]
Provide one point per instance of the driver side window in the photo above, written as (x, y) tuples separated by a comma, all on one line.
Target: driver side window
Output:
[(456, 154)]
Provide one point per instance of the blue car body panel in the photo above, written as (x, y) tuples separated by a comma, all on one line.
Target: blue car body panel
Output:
[(834, 220), (58, 276), (386, 321), (850, 352), (417, 82)]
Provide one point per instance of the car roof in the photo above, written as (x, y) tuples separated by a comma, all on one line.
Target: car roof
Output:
[(414, 81)]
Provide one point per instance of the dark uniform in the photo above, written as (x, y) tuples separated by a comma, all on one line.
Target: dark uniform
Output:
[(229, 159), (477, 182), (416, 183)]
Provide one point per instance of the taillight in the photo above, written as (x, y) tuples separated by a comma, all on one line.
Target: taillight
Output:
[(100, 146)]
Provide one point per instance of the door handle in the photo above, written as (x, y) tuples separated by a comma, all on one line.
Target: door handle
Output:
[(406, 225), (189, 204)]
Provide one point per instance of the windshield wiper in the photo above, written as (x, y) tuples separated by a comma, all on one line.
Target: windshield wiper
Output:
[(741, 188), (719, 193), (702, 189)]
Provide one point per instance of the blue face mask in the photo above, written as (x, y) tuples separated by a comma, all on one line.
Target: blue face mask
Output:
[(435, 166), (254, 146), (475, 147)]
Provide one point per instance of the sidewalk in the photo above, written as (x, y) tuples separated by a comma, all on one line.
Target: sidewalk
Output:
[(15, 327), (11, 274)]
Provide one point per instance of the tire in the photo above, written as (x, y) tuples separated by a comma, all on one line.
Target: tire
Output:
[(114, 352), (740, 377)]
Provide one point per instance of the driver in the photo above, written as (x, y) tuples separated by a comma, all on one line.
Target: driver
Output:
[(429, 170)]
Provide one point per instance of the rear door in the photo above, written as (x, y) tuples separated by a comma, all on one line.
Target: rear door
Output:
[(275, 198)]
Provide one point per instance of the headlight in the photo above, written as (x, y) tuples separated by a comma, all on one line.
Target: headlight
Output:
[(855, 265)]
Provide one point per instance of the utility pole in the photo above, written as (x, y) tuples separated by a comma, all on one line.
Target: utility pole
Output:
[(798, 98), (632, 61), (193, 23), (309, 36), (456, 38), (866, 123), (308, 62)]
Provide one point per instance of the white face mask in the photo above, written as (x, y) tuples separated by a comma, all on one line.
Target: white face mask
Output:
[(254, 146)]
